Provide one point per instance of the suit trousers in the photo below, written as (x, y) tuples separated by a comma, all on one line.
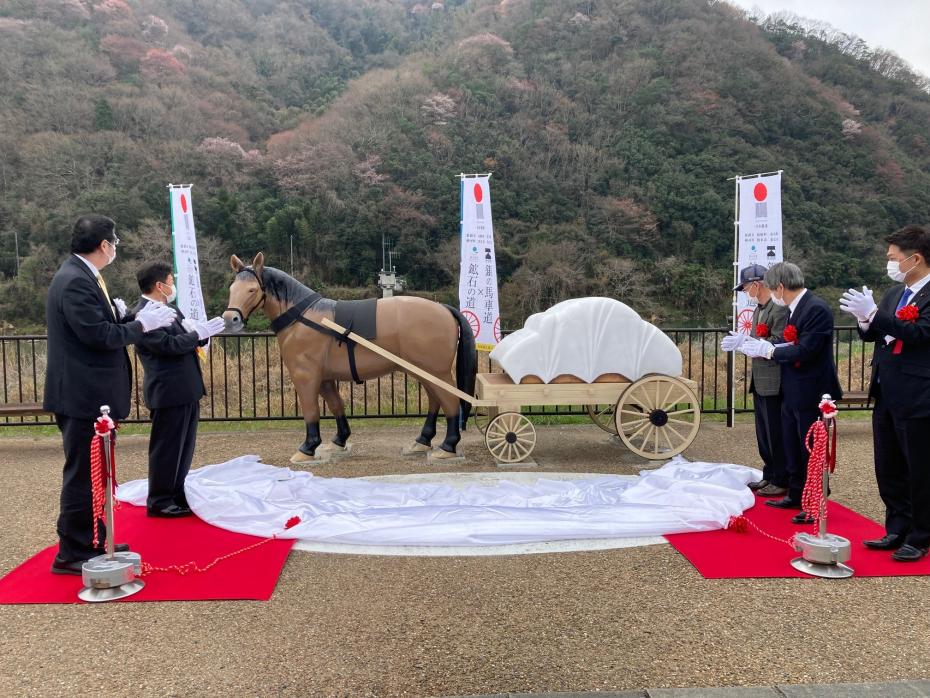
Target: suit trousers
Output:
[(902, 473), (794, 427), (75, 518), (171, 449), (769, 438)]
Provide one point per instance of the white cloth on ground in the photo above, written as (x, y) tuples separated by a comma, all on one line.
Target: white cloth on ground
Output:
[(247, 496)]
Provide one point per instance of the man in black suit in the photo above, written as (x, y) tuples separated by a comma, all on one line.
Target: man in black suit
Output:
[(172, 388), (807, 371), (900, 387), (87, 367)]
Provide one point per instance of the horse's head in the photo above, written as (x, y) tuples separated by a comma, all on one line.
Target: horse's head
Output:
[(246, 292)]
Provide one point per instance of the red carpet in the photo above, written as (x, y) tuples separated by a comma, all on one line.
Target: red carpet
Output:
[(727, 554), (164, 542)]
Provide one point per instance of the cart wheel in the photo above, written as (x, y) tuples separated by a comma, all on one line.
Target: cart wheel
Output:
[(481, 418), (603, 416), (510, 437), (657, 417)]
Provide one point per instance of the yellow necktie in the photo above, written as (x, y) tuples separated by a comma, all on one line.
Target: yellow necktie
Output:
[(103, 286)]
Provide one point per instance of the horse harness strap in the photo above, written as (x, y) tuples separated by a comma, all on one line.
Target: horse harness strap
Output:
[(295, 314), (261, 301)]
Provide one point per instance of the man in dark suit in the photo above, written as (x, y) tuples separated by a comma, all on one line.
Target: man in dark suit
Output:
[(900, 386), (768, 322), (172, 388), (87, 367), (807, 371)]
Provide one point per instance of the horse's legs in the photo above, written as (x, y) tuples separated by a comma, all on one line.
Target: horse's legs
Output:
[(450, 408), (334, 400), (309, 393), (429, 426)]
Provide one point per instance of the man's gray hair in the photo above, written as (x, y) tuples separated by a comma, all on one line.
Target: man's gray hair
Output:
[(785, 273)]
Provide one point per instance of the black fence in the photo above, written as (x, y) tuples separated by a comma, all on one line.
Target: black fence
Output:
[(246, 379)]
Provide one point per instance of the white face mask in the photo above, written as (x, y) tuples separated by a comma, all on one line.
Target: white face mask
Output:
[(894, 270), (780, 302), (173, 295), (753, 300), (112, 259)]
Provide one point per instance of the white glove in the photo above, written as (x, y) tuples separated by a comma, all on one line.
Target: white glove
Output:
[(757, 348), (189, 325), (207, 329), (858, 303), (733, 341), (154, 316), (120, 308)]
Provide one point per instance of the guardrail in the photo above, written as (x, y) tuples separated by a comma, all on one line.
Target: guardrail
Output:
[(246, 379)]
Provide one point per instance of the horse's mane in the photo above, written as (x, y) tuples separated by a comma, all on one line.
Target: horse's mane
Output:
[(283, 286)]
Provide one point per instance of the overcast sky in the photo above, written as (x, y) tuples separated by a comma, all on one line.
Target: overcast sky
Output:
[(903, 26)]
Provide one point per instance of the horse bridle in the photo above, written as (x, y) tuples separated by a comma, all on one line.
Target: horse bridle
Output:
[(261, 301)]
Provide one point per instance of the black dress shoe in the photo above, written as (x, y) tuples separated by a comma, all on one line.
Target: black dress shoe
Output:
[(892, 541), (909, 553), (757, 485), (784, 503), (117, 548), (802, 518), (60, 566), (172, 511)]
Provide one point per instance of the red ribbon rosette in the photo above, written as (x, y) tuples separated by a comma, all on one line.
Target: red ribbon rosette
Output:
[(791, 336), (762, 330), (909, 313)]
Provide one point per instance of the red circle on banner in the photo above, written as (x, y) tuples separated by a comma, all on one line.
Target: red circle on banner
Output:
[(760, 192), (479, 195), (497, 328), (473, 321), (183, 203)]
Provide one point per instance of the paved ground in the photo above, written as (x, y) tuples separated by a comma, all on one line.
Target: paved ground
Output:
[(359, 625)]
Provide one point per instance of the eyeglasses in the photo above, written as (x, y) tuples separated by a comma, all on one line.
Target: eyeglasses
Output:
[(114, 241)]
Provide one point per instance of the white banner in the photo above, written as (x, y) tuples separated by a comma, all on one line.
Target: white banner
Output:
[(760, 238), (478, 273), (186, 264)]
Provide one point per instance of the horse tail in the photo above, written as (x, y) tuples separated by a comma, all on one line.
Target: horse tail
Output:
[(466, 363)]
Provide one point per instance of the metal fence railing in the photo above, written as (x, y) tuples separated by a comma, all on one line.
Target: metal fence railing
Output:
[(246, 379)]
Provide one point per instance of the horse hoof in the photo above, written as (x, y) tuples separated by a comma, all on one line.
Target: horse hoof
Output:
[(417, 449), (440, 456), (331, 451)]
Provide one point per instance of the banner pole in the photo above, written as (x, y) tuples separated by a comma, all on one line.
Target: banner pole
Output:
[(731, 372)]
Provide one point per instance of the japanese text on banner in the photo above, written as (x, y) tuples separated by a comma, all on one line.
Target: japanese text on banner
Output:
[(760, 234), (478, 273), (186, 263)]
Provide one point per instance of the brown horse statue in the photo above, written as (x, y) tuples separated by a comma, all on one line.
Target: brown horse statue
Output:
[(429, 335)]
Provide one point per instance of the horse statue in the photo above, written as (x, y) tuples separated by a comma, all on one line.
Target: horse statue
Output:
[(430, 335)]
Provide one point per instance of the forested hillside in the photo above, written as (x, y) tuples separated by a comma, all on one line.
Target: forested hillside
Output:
[(611, 128)]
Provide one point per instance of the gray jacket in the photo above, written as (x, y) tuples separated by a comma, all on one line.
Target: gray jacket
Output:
[(766, 375)]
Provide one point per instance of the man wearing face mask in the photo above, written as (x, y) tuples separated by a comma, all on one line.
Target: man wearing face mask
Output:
[(768, 322), (900, 386), (807, 371), (87, 367), (172, 389)]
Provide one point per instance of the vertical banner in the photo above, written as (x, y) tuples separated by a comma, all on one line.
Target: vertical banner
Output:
[(186, 263), (759, 234), (478, 272)]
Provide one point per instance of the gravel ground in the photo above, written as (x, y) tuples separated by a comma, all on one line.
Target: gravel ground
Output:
[(364, 625)]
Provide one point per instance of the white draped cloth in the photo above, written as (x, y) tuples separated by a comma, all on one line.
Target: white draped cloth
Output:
[(247, 496)]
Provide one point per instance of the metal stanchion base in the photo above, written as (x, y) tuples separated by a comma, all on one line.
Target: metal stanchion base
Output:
[(822, 555), (834, 571), (108, 579), (92, 595)]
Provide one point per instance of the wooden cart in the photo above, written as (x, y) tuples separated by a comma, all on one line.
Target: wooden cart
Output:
[(656, 417)]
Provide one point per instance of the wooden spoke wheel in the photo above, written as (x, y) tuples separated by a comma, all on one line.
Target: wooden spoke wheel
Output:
[(657, 417), (481, 418), (510, 437), (603, 416)]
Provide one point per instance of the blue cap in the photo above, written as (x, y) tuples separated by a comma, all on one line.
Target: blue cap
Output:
[(754, 272)]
